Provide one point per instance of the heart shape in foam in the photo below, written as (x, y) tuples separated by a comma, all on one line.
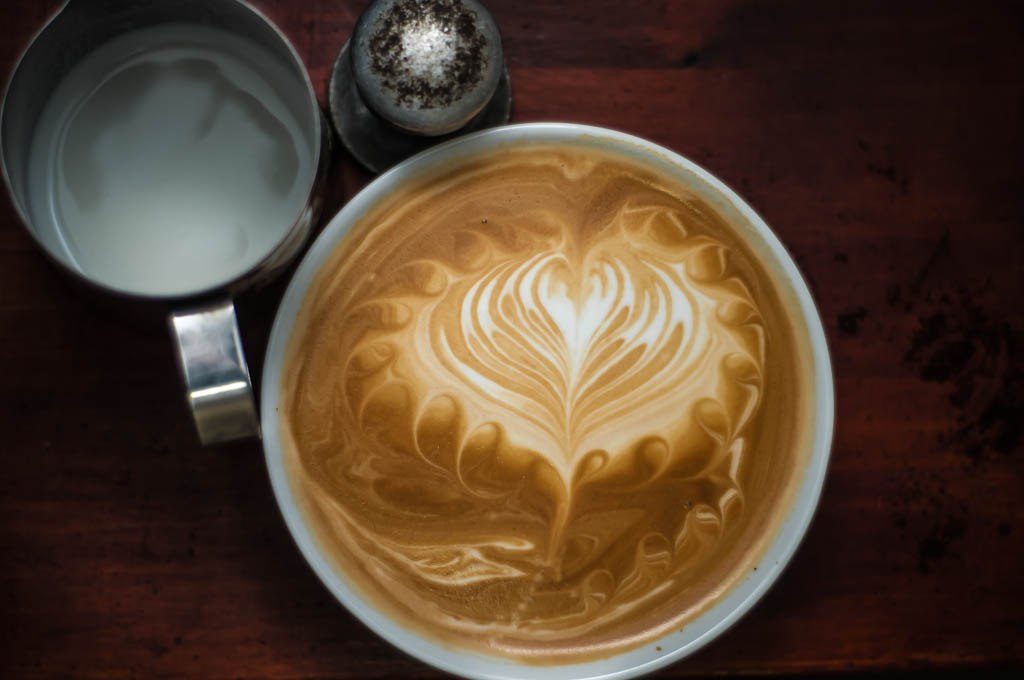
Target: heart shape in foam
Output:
[(572, 355)]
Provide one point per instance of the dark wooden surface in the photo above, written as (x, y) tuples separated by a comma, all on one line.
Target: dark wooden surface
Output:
[(881, 140)]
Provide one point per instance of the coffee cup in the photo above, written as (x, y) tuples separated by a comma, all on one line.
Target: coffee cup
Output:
[(166, 154), (547, 401)]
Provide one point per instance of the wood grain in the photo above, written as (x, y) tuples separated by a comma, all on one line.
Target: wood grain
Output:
[(882, 141)]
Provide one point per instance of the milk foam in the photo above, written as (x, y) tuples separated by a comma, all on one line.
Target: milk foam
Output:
[(171, 159), (529, 347), (539, 425)]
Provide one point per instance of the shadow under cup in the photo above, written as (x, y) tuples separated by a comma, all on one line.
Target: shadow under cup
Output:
[(525, 427)]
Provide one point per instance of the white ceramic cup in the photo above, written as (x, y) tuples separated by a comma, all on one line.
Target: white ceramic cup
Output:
[(743, 594)]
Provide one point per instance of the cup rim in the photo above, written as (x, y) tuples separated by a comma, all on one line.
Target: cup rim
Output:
[(711, 623)]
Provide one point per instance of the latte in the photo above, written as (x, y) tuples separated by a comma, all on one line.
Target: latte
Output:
[(547, 404)]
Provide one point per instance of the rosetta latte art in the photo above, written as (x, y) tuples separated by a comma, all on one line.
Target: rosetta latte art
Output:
[(527, 425)]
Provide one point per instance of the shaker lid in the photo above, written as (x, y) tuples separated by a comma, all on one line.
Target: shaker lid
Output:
[(415, 72), (427, 66)]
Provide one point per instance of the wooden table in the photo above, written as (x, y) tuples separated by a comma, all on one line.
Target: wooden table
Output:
[(881, 140)]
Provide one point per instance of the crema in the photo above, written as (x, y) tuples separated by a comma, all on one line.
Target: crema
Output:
[(547, 403)]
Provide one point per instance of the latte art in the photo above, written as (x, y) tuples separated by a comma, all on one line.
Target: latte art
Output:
[(574, 362), (528, 404)]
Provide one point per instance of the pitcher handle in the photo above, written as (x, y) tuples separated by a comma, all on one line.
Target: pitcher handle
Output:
[(217, 384)]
